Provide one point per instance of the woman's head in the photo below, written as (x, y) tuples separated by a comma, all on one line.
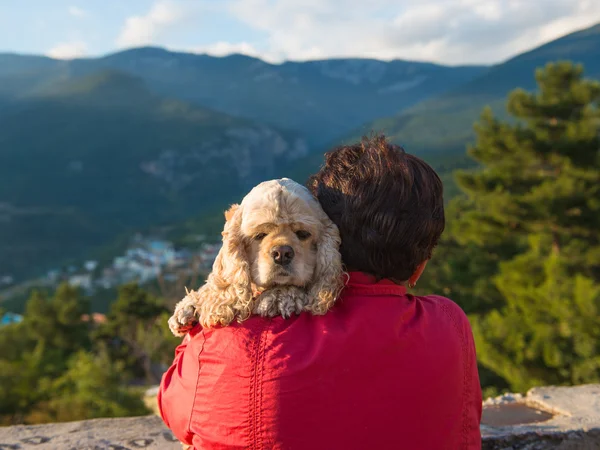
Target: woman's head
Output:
[(387, 204)]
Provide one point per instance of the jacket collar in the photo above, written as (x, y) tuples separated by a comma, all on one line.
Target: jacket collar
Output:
[(361, 283)]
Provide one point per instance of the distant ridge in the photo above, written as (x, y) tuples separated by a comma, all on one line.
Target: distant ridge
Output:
[(443, 124), (94, 148), (320, 99)]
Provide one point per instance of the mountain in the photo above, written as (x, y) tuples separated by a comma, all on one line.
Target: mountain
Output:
[(84, 160), (442, 125), (95, 148), (321, 99)]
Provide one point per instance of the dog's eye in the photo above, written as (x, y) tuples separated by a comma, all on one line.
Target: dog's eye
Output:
[(260, 236), (303, 235)]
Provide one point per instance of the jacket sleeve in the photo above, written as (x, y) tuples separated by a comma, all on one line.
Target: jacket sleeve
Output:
[(474, 404), (177, 390)]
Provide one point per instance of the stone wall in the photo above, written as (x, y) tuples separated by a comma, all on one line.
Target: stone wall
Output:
[(544, 418), (566, 418)]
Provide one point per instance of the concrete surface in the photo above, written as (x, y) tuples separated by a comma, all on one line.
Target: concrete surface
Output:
[(573, 424), (130, 433)]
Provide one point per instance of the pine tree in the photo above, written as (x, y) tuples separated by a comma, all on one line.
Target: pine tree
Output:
[(542, 173), (91, 387), (57, 325), (136, 332), (549, 330), (36, 351), (534, 208)]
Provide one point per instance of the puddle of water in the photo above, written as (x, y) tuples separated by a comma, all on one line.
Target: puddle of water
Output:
[(512, 414)]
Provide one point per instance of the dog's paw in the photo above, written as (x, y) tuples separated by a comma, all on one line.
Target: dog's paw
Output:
[(281, 301), (184, 318)]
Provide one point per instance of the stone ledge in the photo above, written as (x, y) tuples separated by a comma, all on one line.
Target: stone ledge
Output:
[(130, 433), (572, 413), (573, 423)]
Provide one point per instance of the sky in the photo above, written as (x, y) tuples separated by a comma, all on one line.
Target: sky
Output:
[(443, 31)]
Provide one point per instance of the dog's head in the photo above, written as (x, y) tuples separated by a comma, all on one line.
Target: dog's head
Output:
[(277, 236), (282, 226)]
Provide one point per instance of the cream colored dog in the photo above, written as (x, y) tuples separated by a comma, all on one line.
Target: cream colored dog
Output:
[(280, 256)]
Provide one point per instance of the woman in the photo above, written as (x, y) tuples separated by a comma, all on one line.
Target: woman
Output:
[(382, 370)]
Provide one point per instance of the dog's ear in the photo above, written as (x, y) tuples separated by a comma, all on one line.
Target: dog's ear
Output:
[(227, 294), (230, 212), (327, 279)]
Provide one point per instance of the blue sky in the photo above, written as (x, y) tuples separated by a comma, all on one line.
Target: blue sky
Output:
[(446, 31)]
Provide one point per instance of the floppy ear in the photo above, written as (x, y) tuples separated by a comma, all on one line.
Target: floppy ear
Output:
[(227, 294), (230, 212), (327, 279)]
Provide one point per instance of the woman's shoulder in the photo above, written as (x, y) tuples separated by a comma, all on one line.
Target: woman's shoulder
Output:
[(446, 308)]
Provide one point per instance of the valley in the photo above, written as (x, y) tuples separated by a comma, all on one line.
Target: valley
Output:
[(95, 150)]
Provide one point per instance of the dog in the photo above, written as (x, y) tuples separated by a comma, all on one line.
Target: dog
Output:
[(280, 256)]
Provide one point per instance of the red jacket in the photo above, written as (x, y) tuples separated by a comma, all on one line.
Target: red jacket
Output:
[(381, 370)]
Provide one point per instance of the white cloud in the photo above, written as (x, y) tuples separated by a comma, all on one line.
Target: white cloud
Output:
[(68, 50), (77, 12), (224, 48), (146, 29), (446, 31)]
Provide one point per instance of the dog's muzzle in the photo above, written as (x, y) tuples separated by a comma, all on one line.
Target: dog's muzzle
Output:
[(282, 255)]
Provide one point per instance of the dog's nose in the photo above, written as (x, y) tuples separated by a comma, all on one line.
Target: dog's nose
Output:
[(282, 254)]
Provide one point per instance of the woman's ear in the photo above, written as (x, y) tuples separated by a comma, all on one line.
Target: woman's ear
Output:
[(412, 281)]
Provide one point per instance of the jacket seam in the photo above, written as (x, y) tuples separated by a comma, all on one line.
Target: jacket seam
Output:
[(466, 386), (256, 391), (189, 425)]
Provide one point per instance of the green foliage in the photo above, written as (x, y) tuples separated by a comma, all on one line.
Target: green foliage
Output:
[(92, 386), (57, 327), (460, 268), (15, 371), (57, 366), (522, 252), (37, 349), (548, 332), (136, 334)]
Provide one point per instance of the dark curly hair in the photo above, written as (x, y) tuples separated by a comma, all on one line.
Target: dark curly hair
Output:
[(387, 204)]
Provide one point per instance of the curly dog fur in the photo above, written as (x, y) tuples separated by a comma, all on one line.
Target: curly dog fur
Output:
[(247, 280)]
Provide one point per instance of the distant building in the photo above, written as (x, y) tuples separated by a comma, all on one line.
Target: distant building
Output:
[(95, 318), (105, 283), (9, 318), (5, 280), (181, 258), (90, 266), (53, 275), (83, 281), (108, 279), (208, 254), (120, 262), (148, 273), (159, 246), (133, 252)]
